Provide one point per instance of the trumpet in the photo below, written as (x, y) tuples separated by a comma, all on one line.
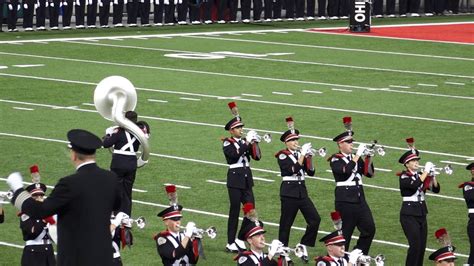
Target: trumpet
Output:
[(211, 232), (5, 196), (285, 251), (373, 148), (140, 222), (378, 260), (448, 169), (321, 151), (267, 137)]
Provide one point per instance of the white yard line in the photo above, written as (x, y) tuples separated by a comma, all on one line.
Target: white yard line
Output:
[(334, 89), (252, 95), (225, 165), (282, 93), (24, 66), (383, 170), (230, 75), (427, 85), (157, 101), (456, 163), (455, 83), (216, 182), (263, 179), (178, 186), (22, 108), (315, 92), (88, 104), (399, 86), (189, 99)]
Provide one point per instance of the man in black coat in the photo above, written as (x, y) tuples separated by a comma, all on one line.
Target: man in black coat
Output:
[(468, 193), (83, 202)]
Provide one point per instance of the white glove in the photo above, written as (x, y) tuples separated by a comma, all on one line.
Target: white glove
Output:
[(251, 136), (110, 130), (306, 149), (115, 2), (429, 167), (274, 247), (15, 181), (354, 255), (64, 3), (190, 228), (361, 149), (118, 218), (10, 7), (25, 6), (101, 4)]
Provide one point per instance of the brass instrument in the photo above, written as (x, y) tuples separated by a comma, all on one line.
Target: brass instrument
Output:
[(115, 95), (267, 137), (211, 232), (140, 222), (285, 251), (447, 169), (379, 260), (321, 151), (5, 197), (373, 148)]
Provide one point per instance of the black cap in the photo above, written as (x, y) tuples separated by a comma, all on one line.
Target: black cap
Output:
[(132, 116), (144, 126), (252, 229), (444, 253), (345, 136), (83, 141), (172, 212), (409, 155), (333, 238), (234, 122), (470, 166), (290, 135), (36, 188)]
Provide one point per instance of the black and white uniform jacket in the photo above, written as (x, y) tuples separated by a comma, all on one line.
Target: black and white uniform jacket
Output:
[(332, 261), (293, 174), (250, 258), (125, 147), (171, 251), (35, 231), (413, 193), (348, 176), (238, 154), (468, 193)]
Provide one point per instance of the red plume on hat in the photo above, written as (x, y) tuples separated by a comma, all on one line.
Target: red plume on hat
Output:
[(410, 142), (336, 220), (250, 212), (35, 175), (443, 237), (290, 123), (172, 194), (233, 108), (347, 121)]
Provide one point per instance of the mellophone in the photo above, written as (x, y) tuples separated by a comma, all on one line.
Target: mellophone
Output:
[(285, 251), (379, 259), (211, 232), (5, 197)]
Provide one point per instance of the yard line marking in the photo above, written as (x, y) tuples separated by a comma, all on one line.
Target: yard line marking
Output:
[(189, 99), (427, 85), (139, 190), (334, 89), (11, 245), (308, 91), (331, 48), (14, 43), (383, 170), (141, 38), (455, 83), (226, 165), (23, 66), (216, 182), (276, 224), (115, 39), (88, 104), (456, 163), (41, 42), (231, 75), (158, 101), (282, 93), (22, 108), (288, 61), (263, 179), (91, 40), (179, 186), (3, 67), (259, 33), (399, 86), (251, 95)]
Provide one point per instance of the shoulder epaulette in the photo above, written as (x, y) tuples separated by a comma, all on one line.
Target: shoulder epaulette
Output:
[(231, 140), (337, 155), (466, 183), (284, 151)]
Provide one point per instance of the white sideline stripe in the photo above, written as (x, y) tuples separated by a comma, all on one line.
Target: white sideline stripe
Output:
[(189, 99), (115, 39), (179, 186), (263, 179), (455, 83), (216, 182), (3, 67), (276, 224), (225, 165), (399, 86), (220, 126), (141, 38), (335, 48), (230, 75), (285, 60), (316, 92), (334, 89), (88, 104), (139, 190), (251, 95), (456, 163), (11, 245), (427, 85), (22, 108), (282, 93), (91, 40), (158, 101), (23, 66), (383, 170)]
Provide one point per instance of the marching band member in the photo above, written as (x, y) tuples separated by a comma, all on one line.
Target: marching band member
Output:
[(238, 152), (254, 234), (2, 214), (350, 202), (38, 248), (445, 255), (413, 186), (83, 202), (294, 165), (468, 191), (124, 159), (121, 235)]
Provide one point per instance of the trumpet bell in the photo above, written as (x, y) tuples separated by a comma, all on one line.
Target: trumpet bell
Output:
[(322, 152), (141, 222), (211, 232), (448, 169), (108, 93), (267, 138)]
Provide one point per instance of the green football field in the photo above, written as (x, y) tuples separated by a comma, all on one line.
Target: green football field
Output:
[(185, 76)]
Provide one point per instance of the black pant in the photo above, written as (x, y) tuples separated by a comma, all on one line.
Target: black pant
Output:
[(28, 13), (290, 8), (194, 11), (182, 10), (333, 8), (289, 209), (236, 197), (92, 13), (453, 5), (126, 178), (38, 255), (54, 13), (470, 233), (1, 16), (276, 9), (118, 12), (416, 231), (67, 13), (144, 9), (321, 8), (357, 215), (12, 14), (169, 13), (439, 6), (410, 6), (310, 7), (158, 11), (132, 11), (268, 7), (429, 6), (80, 12), (245, 6), (207, 9), (104, 13)]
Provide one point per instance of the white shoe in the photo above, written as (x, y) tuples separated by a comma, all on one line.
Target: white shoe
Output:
[(132, 25), (344, 17), (429, 14), (289, 19), (104, 26), (146, 25), (89, 27), (415, 15), (403, 15), (169, 24), (221, 22), (391, 16), (159, 24), (66, 27), (240, 244), (310, 18), (246, 20), (334, 18), (379, 16), (299, 19), (208, 22), (321, 17), (118, 25), (234, 21), (196, 22), (41, 28), (232, 248), (182, 23), (278, 19), (54, 28), (267, 20), (29, 29), (257, 20), (305, 252)]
